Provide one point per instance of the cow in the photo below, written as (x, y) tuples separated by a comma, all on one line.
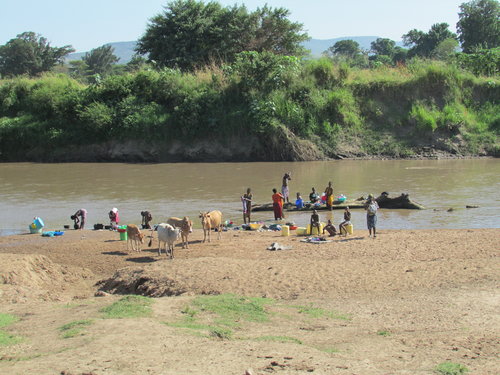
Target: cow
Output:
[(209, 220), (134, 236), (167, 234), (186, 227)]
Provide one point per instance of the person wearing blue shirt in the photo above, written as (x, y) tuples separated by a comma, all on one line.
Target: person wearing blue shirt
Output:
[(299, 203)]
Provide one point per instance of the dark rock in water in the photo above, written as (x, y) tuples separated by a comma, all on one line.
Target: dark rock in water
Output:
[(450, 209), (471, 206)]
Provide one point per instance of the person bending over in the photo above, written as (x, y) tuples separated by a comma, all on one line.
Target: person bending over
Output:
[(330, 228)]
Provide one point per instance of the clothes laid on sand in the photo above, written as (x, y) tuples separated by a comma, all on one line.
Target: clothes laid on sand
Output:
[(315, 240)]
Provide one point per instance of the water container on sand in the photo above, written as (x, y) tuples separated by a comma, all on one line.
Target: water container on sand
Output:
[(285, 230), (349, 228), (123, 236), (301, 231), (38, 222), (315, 229)]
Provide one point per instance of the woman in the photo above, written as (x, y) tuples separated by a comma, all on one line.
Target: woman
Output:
[(114, 218), (79, 223), (278, 205)]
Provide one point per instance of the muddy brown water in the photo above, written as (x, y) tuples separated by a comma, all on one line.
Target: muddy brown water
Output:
[(55, 191)]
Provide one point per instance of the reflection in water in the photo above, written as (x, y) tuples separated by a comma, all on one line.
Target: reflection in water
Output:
[(55, 191)]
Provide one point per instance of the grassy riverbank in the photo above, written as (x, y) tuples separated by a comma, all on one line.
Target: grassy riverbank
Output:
[(262, 107)]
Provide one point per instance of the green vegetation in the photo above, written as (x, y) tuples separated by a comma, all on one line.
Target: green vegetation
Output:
[(237, 77), (129, 307), (276, 99), (450, 368), (384, 333), (74, 328), (6, 338), (7, 319)]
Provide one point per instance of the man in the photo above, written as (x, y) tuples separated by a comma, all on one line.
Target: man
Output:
[(330, 228), (315, 222), (329, 196), (347, 221), (284, 186), (371, 208), (246, 199)]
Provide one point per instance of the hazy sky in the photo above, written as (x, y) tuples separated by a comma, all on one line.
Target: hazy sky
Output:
[(89, 24)]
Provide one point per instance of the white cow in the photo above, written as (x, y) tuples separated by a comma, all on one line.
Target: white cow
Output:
[(167, 234)]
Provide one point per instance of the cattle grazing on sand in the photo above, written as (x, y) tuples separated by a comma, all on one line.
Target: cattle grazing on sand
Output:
[(186, 227), (134, 236), (209, 220), (167, 234)]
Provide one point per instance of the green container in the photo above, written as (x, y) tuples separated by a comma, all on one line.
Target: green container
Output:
[(123, 236)]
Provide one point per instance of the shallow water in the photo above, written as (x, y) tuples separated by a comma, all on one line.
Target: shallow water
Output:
[(55, 191)]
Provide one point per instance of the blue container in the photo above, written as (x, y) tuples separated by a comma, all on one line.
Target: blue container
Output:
[(38, 223)]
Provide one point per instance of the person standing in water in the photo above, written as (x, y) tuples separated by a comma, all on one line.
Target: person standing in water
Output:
[(284, 186), (246, 199), (329, 196), (278, 205)]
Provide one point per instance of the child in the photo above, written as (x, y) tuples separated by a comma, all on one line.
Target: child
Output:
[(330, 228), (347, 221), (299, 203)]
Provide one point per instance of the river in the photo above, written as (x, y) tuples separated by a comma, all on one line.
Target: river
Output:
[(55, 191)]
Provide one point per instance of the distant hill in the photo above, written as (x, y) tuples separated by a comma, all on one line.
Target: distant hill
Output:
[(125, 50)]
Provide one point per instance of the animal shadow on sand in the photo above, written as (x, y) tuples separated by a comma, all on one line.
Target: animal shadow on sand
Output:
[(121, 253), (111, 240), (142, 260)]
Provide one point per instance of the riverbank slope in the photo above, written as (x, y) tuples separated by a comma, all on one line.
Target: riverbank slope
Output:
[(288, 111)]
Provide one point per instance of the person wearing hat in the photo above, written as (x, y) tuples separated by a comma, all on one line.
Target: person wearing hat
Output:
[(371, 208), (114, 218)]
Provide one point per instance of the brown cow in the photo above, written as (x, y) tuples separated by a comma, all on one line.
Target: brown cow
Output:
[(209, 220), (186, 227), (135, 236)]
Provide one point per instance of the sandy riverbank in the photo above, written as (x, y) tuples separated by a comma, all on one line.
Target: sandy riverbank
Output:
[(413, 299)]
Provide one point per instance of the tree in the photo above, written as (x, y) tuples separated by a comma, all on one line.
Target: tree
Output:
[(30, 53), (479, 25), (348, 48), (190, 34), (100, 60), (445, 50), (383, 46), (423, 44)]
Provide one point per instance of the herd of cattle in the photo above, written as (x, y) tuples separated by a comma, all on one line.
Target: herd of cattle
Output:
[(169, 232)]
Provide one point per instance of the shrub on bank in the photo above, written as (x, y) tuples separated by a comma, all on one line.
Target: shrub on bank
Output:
[(259, 94)]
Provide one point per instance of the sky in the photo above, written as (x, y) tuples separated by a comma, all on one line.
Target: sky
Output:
[(91, 23)]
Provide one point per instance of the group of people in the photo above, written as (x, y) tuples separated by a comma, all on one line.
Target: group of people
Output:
[(80, 217), (279, 198)]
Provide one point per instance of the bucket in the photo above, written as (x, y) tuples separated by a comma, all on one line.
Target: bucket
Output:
[(315, 229), (349, 228), (301, 231), (35, 230), (285, 230), (123, 236), (38, 222)]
